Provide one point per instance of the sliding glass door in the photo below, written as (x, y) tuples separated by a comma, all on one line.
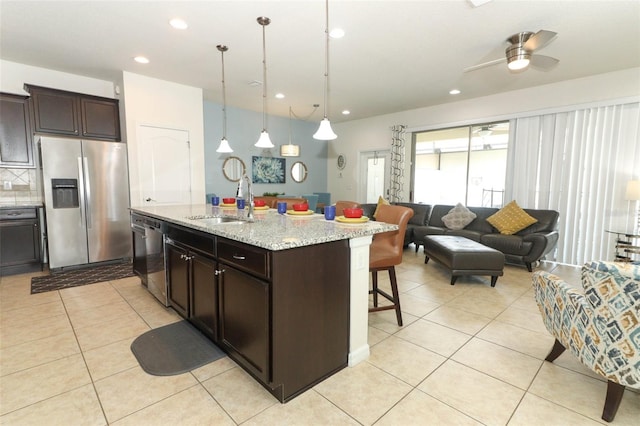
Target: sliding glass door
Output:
[(461, 165)]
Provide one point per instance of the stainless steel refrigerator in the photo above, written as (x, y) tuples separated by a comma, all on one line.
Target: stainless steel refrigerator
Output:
[(86, 196)]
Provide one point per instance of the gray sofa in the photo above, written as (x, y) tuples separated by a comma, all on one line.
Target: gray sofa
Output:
[(525, 247)]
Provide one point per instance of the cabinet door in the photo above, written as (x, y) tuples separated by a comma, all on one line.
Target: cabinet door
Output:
[(204, 295), (100, 119), (244, 320), (16, 147), (55, 112), (178, 275), (19, 246)]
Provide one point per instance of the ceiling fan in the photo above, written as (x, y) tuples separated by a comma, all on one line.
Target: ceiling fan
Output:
[(520, 52), (487, 129)]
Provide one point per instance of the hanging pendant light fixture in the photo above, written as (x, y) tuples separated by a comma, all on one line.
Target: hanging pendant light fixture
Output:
[(290, 150), (264, 141), (224, 144), (325, 132)]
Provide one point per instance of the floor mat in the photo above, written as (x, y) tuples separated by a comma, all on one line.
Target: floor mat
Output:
[(174, 349), (78, 277)]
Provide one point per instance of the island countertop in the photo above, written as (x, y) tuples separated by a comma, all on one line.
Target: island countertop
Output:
[(269, 229)]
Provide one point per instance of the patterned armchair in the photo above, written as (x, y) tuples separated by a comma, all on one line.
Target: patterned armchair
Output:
[(599, 325)]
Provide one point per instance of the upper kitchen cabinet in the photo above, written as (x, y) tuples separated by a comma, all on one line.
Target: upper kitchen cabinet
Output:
[(16, 147), (59, 112)]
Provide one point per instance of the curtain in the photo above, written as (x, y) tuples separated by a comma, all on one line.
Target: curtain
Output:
[(578, 163), (396, 189)]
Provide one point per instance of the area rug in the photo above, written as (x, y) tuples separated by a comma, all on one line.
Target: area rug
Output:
[(174, 349), (78, 277)]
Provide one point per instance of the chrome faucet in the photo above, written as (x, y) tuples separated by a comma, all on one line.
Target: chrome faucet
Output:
[(246, 178)]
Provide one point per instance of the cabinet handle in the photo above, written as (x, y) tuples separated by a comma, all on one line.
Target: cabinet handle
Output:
[(238, 257), (219, 272)]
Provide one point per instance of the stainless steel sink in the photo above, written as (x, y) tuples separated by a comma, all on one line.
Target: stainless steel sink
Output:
[(215, 220)]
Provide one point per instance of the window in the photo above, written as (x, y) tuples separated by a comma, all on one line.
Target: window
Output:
[(463, 164)]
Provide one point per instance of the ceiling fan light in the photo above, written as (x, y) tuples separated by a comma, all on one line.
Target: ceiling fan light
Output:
[(325, 133), (264, 141), (518, 64), (517, 58), (484, 133), (224, 146)]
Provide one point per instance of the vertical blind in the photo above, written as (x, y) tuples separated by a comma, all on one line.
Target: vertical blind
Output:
[(578, 163)]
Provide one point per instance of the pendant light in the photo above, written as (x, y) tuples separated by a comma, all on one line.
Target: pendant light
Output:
[(224, 144), (290, 150), (325, 132), (264, 141)]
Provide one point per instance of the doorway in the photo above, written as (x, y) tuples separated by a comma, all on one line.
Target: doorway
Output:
[(164, 165), (374, 175)]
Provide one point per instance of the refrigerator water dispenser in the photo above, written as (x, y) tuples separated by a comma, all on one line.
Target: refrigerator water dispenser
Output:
[(64, 193)]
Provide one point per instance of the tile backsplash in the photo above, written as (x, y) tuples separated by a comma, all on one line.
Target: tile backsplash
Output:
[(19, 186)]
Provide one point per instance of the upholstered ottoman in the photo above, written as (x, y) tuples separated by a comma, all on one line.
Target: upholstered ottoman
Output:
[(463, 256)]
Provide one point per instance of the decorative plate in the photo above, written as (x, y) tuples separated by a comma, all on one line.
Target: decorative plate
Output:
[(228, 205), (261, 207), (341, 162), (343, 219)]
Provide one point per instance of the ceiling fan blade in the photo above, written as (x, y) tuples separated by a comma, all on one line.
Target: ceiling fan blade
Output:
[(539, 40), (484, 64), (544, 62)]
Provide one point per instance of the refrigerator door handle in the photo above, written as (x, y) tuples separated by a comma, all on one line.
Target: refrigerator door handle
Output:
[(87, 190), (81, 188)]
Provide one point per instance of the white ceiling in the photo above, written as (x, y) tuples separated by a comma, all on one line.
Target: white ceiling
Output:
[(396, 55)]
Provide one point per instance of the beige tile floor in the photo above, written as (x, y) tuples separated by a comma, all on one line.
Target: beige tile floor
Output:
[(467, 354)]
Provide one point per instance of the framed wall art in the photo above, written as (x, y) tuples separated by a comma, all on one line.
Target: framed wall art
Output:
[(268, 169)]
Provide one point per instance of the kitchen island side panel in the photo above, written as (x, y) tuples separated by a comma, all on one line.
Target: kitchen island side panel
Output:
[(310, 315)]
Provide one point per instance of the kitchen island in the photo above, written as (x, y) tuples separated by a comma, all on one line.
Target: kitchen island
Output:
[(286, 296)]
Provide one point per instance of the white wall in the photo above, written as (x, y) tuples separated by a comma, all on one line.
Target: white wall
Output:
[(164, 104), (375, 132), (13, 76)]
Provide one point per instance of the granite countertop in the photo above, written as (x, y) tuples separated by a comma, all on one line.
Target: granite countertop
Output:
[(269, 229)]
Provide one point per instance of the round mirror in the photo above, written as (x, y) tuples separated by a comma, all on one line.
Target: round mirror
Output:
[(233, 169), (299, 171)]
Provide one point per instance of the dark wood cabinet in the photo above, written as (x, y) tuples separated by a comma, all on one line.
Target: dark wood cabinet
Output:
[(178, 277), (59, 112), (19, 241), (16, 143), (244, 320), (282, 315), (204, 295)]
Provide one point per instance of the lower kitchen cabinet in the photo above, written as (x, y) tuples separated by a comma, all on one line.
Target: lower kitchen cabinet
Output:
[(244, 320), (192, 283), (20, 250), (179, 269), (204, 295)]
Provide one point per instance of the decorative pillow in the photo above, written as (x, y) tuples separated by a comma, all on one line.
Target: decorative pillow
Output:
[(381, 201), (511, 219), (458, 217)]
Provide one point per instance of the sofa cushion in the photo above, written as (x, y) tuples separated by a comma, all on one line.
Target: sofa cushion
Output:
[(420, 213), (458, 217), (510, 244), (381, 201), (511, 219)]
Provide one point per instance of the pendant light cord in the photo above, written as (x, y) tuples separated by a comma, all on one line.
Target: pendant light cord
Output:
[(224, 96), (326, 59), (264, 77)]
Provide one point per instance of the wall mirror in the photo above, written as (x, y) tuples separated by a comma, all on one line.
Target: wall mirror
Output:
[(233, 168), (299, 171)]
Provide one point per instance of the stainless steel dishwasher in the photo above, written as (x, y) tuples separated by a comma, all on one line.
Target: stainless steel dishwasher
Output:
[(148, 255)]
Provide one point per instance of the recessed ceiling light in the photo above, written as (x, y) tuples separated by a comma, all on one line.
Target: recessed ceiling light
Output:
[(141, 60), (346, 112), (336, 33), (279, 96), (178, 24), (454, 92)]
